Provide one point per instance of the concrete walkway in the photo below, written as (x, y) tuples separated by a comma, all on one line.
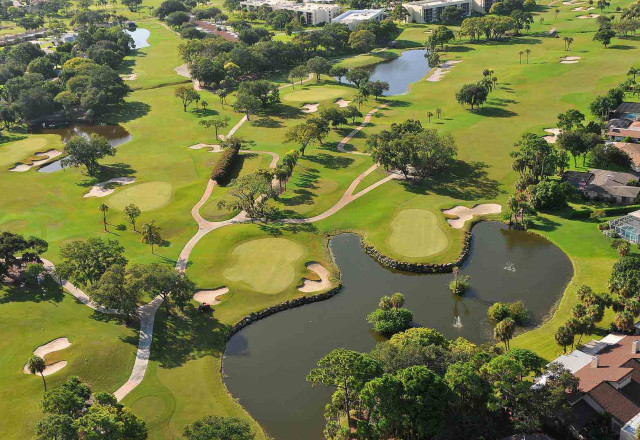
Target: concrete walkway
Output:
[(355, 131)]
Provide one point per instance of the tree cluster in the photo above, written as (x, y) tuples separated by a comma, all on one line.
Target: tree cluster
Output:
[(391, 317), (17, 252)]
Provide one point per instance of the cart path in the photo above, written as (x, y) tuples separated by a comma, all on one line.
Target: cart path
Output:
[(356, 130)]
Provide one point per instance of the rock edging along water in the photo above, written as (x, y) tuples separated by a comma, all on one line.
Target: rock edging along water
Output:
[(286, 305), (391, 263)]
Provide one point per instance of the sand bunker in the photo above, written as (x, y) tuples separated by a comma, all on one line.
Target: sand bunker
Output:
[(46, 156), (131, 77), (582, 17), (210, 296), (439, 72), (183, 71), (553, 136), (310, 108), (342, 103), (212, 148), (573, 3), (463, 213), (315, 286), (43, 350), (570, 60), (103, 189)]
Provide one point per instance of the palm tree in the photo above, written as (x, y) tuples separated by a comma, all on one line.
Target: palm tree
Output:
[(36, 364), (104, 208), (397, 300), (633, 72), (527, 51), (565, 42), (503, 331), (438, 112), (520, 53), (429, 116), (204, 104), (150, 234), (557, 11), (494, 81), (569, 41), (486, 72)]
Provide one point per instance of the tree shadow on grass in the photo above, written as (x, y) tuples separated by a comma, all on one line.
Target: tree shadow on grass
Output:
[(330, 161), (463, 180), (285, 111), (276, 229), (502, 102), (190, 335), (495, 112), (621, 47), (109, 171), (48, 291), (544, 224), (266, 122), (460, 48), (132, 110)]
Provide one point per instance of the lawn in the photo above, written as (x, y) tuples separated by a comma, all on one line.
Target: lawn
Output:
[(184, 381)]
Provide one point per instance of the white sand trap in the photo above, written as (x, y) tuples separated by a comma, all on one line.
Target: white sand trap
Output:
[(464, 214), (103, 189), (212, 148), (579, 8), (582, 17), (439, 72), (310, 108), (46, 156), (553, 136), (50, 347), (591, 8), (183, 71), (342, 103), (210, 296), (131, 77), (315, 286), (570, 60)]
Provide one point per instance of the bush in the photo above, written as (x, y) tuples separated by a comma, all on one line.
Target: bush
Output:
[(498, 311), (518, 312), (390, 321), (604, 156), (177, 18), (551, 194), (460, 285), (224, 166)]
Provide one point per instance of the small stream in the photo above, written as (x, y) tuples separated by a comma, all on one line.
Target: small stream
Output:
[(266, 363)]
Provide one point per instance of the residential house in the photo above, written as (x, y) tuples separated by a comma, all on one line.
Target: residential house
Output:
[(632, 150), (606, 185), (623, 129), (353, 17)]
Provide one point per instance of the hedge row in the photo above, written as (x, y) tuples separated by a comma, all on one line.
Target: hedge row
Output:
[(224, 166), (608, 212)]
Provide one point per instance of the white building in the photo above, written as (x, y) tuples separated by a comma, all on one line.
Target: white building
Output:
[(429, 11), (353, 17), (312, 13)]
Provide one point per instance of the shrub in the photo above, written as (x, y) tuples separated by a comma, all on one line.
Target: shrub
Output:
[(518, 312), (551, 195), (604, 226), (390, 321), (224, 166), (498, 311), (460, 285)]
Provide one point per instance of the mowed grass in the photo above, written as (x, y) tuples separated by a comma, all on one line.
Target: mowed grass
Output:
[(417, 233), (147, 196), (311, 94), (102, 351)]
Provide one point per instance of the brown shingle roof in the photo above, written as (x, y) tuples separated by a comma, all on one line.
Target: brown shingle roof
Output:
[(614, 402), (633, 150), (613, 364)]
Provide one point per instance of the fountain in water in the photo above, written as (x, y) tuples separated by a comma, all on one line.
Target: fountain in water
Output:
[(510, 267), (457, 322)]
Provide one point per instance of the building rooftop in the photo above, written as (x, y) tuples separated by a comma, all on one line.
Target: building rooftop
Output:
[(628, 107), (357, 15), (604, 182), (435, 2), (632, 150)]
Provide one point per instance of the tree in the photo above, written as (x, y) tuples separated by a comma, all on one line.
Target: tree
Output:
[(362, 40), (604, 35), (633, 71), (151, 234), (187, 95), (338, 72), (391, 317), (132, 212), (442, 35), (313, 129), (551, 195), (569, 119), (527, 51), (132, 5), (318, 66), (57, 427), (438, 112), (348, 371), (503, 331), (534, 158), (107, 419), (68, 399), (15, 251), (36, 365), (299, 72), (103, 208), (246, 103), (216, 427), (472, 94), (333, 115), (81, 151), (84, 262), (351, 111), (117, 289), (216, 123), (174, 287), (377, 88), (267, 92), (564, 337), (451, 15), (602, 4), (250, 193), (521, 53), (358, 76)]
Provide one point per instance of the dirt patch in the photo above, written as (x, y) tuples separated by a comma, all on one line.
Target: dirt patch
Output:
[(315, 286), (464, 214), (55, 345), (45, 157), (210, 296), (103, 189), (310, 108)]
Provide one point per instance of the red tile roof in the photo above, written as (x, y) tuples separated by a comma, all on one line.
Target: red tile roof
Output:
[(614, 402)]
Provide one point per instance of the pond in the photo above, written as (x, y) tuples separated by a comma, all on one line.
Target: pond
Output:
[(266, 363), (115, 134), (140, 36), (409, 67)]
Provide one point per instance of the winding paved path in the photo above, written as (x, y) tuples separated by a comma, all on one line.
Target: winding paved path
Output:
[(356, 130), (146, 313)]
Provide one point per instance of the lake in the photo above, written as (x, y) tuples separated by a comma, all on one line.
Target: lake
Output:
[(140, 37), (266, 363)]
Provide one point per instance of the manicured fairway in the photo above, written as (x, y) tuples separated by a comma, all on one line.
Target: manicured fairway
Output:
[(416, 233), (313, 94), (266, 265), (147, 196)]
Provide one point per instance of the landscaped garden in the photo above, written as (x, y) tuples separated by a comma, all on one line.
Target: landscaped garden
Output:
[(263, 263)]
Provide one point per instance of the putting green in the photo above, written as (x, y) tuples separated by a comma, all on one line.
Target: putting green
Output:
[(147, 196), (313, 94), (416, 233), (267, 265), (21, 150)]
